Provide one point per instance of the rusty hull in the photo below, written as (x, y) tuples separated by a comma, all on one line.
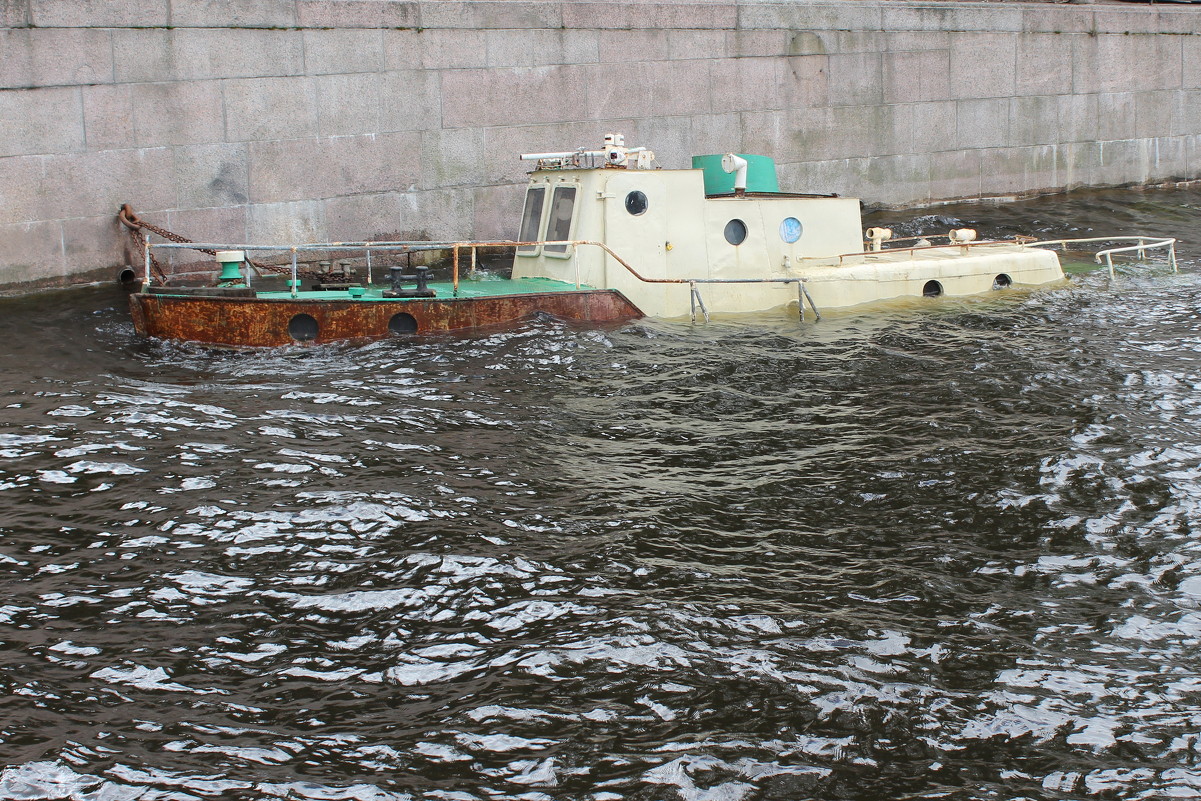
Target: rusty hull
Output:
[(264, 322)]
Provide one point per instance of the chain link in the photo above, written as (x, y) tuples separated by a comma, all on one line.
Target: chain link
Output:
[(137, 227)]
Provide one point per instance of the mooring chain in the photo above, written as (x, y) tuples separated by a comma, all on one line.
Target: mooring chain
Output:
[(136, 224), (139, 240)]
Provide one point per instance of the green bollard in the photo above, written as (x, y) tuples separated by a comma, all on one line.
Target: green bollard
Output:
[(231, 266)]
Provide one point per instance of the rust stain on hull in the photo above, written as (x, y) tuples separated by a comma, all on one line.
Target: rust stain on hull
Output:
[(264, 323)]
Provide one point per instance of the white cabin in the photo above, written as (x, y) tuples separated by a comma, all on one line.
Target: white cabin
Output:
[(665, 225)]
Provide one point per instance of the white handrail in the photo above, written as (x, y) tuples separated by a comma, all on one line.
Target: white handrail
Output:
[(1144, 244)]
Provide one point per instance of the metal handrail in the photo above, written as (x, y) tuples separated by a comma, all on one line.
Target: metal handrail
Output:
[(1144, 243), (455, 247), (426, 245), (911, 250)]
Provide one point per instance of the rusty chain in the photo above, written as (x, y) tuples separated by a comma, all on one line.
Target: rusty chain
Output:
[(137, 227)]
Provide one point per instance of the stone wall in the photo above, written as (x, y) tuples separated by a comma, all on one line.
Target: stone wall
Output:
[(270, 120)]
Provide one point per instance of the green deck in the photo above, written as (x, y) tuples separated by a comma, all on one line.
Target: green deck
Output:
[(468, 288)]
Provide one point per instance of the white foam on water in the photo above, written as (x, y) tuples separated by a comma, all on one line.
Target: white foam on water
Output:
[(144, 678)]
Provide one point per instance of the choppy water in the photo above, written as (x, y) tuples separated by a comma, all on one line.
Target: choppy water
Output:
[(950, 549)]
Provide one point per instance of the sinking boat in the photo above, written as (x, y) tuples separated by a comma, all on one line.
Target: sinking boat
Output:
[(605, 237)]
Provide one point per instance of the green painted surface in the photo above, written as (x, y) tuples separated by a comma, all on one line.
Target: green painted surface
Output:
[(760, 174), (443, 290)]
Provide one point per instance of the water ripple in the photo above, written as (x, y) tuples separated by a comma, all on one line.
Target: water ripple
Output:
[(939, 551)]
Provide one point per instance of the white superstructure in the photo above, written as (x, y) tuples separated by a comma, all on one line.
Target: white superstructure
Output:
[(678, 240)]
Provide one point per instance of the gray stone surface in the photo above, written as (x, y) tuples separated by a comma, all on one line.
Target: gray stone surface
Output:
[(698, 43), (1044, 64), (211, 175), (286, 223), (982, 123), (55, 57), (1034, 120), (298, 169), (220, 225), (108, 117), (525, 48), (493, 210), (446, 49), (178, 113), (602, 16), (411, 100), (32, 251), (934, 126), (22, 199), (482, 16), (14, 13), (195, 54), (270, 108), (983, 65), (914, 76), (451, 157), (98, 14), (91, 243), (40, 121), (293, 120), (343, 51), (363, 217), (96, 184), (348, 104), (357, 14), (234, 14), (402, 49), (856, 79)]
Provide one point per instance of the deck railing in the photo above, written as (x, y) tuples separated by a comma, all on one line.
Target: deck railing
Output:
[(473, 246), (1141, 246)]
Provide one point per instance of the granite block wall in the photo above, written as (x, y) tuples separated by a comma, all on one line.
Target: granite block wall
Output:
[(285, 120)]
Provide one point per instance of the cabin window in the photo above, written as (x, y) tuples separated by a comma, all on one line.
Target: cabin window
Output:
[(636, 203), (791, 229), (735, 232), (558, 227), (531, 220)]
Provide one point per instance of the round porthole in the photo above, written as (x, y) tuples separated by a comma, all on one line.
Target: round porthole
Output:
[(791, 229), (735, 232), (403, 323), (932, 289), (302, 328), (636, 203), (1001, 281)]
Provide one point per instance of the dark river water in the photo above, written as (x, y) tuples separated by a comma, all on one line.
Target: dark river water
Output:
[(940, 549)]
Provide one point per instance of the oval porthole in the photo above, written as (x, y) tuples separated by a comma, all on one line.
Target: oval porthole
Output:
[(636, 203), (1001, 281), (403, 323), (302, 328), (791, 229), (932, 289), (735, 232)]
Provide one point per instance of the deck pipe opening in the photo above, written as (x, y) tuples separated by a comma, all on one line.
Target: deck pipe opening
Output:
[(403, 323), (303, 328), (932, 289)]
